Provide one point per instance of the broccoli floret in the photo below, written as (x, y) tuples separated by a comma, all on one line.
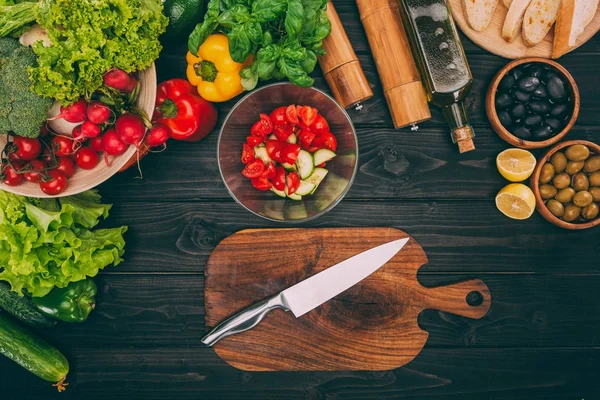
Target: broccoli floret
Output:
[(21, 110)]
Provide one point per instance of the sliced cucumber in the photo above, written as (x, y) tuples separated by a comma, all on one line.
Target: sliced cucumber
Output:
[(304, 163), (260, 151), (292, 139), (323, 155), (279, 193), (272, 137), (295, 210), (317, 177), (305, 188), (293, 196), (289, 167)]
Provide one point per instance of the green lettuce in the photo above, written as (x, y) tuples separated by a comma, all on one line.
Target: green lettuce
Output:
[(47, 243)]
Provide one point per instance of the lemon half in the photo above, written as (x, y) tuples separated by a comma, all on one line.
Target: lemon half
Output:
[(516, 201), (516, 165)]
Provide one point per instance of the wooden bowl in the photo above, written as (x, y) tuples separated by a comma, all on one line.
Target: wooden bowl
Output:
[(490, 107), (535, 186), (87, 179)]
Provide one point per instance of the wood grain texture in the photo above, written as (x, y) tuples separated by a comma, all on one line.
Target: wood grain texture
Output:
[(491, 38), (371, 326)]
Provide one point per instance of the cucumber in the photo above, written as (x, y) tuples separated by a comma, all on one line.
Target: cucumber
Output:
[(305, 188), (304, 164), (289, 167), (32, 353), (317, 177), (293, 139), (295, 210), (293, 196), (323, 155), (260, 151), (272, 137), (22, 308), (279, 193)]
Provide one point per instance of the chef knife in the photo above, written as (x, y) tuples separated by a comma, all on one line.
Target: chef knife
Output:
[(311, 292)]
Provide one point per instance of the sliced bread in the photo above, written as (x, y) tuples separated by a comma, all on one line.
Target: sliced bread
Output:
[(573, 17), (507, 3), (514, 19), (479, 13), (538, 19)]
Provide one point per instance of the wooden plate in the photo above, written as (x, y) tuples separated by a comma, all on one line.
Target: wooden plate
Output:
[(88, 179), (491, 40)]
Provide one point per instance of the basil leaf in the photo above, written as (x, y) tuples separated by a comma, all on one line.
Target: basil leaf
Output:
[(313, 4), (277, 74), (267, 38), (310, 62), (295, 73), (236, 15), (200, 33), (254, 31), (240, 45), (323, 27), (249, 77), (266, 61), (294, 52), (268, 10), (212, 9), (293, 18), (319, 51)]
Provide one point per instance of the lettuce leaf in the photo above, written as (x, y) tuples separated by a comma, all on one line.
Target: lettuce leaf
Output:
[(47, 243)]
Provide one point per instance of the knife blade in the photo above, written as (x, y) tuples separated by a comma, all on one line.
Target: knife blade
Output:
[(311, 292)]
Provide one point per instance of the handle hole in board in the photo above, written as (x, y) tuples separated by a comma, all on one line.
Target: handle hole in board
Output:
[(474, 298)]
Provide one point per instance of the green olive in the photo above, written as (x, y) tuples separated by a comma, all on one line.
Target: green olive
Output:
[(595, 178), (561, 180), (590, 212), (595, 192), (547, 173), (581, 181), (566, 195), (555, 208), (574, 167), (582, 199), (577, 152), (558, 161), (572, 212), (592, 164), (547, 191)]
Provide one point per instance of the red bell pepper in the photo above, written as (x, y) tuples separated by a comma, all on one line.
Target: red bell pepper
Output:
[(179, 107)]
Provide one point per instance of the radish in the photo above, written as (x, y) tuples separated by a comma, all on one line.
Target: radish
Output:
[(96, 144), (75, 113), (130, 128), (89, 129), (76, 134), (111, 143), (158, 135), (98, 113), (118, 79)]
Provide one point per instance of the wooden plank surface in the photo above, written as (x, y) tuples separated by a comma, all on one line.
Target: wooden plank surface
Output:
[(539, 341)]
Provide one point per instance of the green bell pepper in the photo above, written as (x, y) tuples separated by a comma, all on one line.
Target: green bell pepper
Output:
[(70, 304)]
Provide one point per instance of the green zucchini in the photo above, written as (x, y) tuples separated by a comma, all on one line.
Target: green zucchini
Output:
[(22, 308), (32, 353)]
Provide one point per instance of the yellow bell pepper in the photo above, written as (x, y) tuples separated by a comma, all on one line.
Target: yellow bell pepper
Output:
[(213, 71)]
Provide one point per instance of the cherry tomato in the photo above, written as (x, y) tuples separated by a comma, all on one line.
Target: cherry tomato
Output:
[(56, 183), (274, 148), (279, 179), (11, 177), (254, 140), (86, 158), (325, 140), (35, 166), (293, 182), (290, 152), (27, 148), (322, 165), (96, 144), (247, 153), (269, 172), (67, 166), (292, 115), (283, 132), (262, 127), (254, 169), (278, 116), (12, 156), (320, 125), (261, 183), (308, 115), (62, 146), (306, 137)]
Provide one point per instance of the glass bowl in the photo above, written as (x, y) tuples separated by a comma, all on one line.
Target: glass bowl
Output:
[(267, 204)]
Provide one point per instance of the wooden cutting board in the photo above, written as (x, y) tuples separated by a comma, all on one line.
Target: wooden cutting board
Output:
[(491, 40), (371, 326)]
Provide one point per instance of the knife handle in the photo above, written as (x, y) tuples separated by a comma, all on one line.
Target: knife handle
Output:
[(244, 320)]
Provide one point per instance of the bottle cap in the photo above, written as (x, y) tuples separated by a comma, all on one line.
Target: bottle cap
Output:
[(463, 137)]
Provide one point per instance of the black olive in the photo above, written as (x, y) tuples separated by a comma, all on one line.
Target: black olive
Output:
[(533, 120), (558, 110), (517, 73), (522, 97), (518, 111), (528, 84), (549, 73), (505, 118), (540, 107), (542, 133), (535, 70), (522, 132), (506, 83), (556, 88), (540, 92), (503, 100), (555, 124)]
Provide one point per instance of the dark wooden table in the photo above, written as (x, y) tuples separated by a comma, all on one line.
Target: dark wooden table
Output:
[(540, 339)]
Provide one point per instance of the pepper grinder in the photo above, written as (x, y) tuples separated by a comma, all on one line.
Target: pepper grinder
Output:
[(396, 67), (341, 67)]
